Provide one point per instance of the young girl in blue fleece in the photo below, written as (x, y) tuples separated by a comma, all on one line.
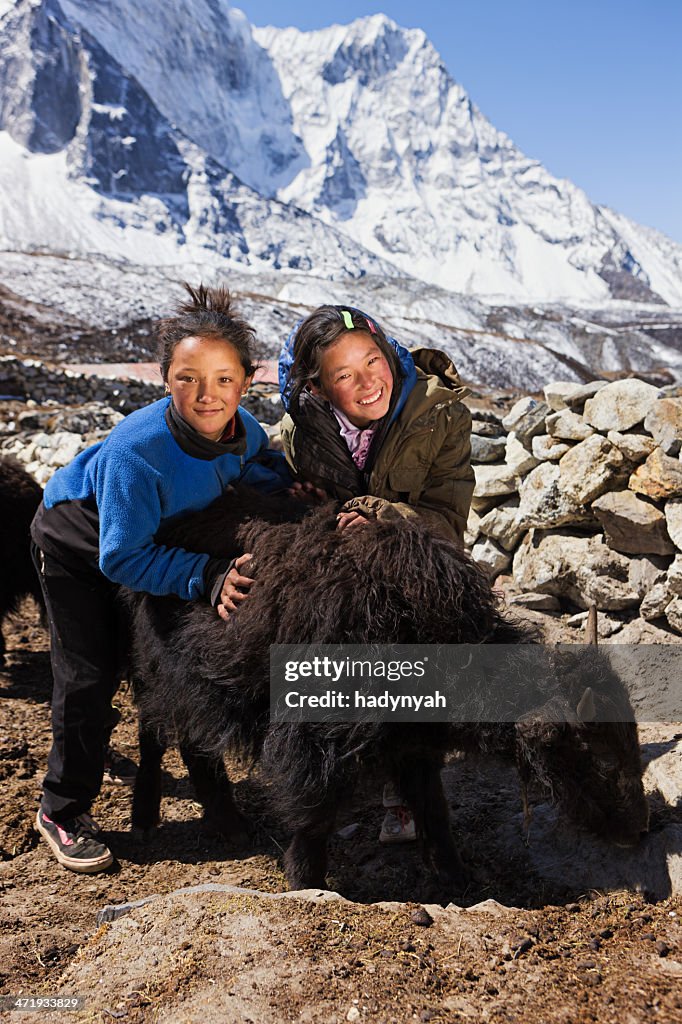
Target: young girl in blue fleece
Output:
[(382, 429), (95, 530)]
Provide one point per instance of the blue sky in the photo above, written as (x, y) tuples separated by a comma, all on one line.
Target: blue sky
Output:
[(591, 88)]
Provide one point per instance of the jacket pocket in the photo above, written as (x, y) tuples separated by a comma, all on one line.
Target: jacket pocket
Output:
[(407, 481)]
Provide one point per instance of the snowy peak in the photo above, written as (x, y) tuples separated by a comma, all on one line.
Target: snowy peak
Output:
[(375, 48), (401, 157)]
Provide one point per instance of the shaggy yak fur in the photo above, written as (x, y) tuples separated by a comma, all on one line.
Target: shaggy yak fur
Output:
[(205, 684), (20, 497)]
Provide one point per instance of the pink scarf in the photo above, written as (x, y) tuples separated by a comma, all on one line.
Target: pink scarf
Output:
[(358, 439)]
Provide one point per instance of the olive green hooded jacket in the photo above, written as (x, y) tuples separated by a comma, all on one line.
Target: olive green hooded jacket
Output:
[(422, 462)]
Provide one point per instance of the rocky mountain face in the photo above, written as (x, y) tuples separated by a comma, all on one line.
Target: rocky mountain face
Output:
[(90, 164), (364, 127)]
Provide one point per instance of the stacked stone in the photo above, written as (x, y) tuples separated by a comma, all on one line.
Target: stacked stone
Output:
[(580, 495), (30, 379)]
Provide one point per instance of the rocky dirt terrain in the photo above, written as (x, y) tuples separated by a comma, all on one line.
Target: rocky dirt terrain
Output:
[(554, 926)]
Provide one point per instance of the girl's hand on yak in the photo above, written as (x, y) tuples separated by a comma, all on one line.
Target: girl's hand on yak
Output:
[(346, 520), (235, 588)]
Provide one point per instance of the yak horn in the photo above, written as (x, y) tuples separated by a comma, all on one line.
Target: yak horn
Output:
[(586, 711), (591, 625)]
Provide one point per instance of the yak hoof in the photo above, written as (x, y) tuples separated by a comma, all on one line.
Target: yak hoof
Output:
[(233, 827), (142, 833), (453, 880)]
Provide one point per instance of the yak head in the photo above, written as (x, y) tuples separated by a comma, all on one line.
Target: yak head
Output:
[(592, 769)]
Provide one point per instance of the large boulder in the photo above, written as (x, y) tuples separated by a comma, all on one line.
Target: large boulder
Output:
[(660, 477), (583, 570), (491, 557), (493, 481), (517, 456), (654, 603), (548, 449), (487, 449), (591, 468), (502, 525), (568, 426), (631, 525), (635, 447), (576, 399), (526, 418), (545, 503), (620, 405), (673, 614), (557, 393), (664, 423)]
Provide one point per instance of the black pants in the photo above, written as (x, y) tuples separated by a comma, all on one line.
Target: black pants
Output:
[(85, 643)]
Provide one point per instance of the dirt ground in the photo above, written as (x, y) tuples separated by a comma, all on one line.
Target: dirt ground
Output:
[(534, 952)]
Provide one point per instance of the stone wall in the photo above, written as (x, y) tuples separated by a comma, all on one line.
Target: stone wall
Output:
[(580, 496), (29, 379)]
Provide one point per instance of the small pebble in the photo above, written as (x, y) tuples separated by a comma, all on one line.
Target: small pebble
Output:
[(422, 918), (353, 1014), (348, 830), (408, 947), (523, 946), (662, 948), (606, 933), (573, 907)]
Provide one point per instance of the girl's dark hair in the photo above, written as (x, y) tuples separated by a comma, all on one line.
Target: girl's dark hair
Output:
[(320, 330), (210, 313)]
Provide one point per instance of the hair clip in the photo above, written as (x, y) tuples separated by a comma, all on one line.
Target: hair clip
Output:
[(372, 328), (347, 319)]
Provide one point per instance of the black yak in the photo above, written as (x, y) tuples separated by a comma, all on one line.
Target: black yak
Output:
[(205, 685), (20, 497)]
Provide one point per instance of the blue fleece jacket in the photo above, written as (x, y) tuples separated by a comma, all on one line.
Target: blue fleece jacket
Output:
[(139, 476)]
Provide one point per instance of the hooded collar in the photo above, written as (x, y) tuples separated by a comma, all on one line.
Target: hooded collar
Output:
[(402, 387)]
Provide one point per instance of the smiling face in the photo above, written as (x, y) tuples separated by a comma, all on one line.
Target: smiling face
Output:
[(356, 378), (206, 380)]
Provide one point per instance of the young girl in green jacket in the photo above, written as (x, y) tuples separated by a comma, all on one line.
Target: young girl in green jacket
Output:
[(382, 429)]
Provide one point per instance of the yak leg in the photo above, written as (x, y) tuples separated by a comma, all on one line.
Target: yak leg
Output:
[(214, 792), (147, 794), (305, 860), (422, 789)]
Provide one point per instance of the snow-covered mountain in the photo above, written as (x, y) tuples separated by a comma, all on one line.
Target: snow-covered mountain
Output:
[(177, 132), (89, 164), (401, 158)]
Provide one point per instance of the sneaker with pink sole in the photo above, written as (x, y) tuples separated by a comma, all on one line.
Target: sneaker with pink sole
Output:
[(75, 843)]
